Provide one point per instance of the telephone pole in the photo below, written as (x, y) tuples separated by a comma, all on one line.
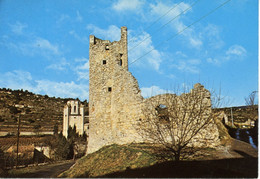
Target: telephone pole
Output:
[(18, 135), (232, 117)]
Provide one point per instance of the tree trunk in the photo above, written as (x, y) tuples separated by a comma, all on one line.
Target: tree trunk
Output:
[(177, 156)]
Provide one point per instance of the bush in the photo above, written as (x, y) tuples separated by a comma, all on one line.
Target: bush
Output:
[(14, 110)]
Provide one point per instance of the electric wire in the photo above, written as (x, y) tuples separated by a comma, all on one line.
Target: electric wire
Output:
[(178, 33), (165, 24), (157, 19)]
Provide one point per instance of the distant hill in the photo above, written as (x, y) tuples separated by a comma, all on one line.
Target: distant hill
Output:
[(38, 113), (241, 113)]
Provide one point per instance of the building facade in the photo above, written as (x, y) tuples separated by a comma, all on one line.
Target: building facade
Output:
[(73, 115)]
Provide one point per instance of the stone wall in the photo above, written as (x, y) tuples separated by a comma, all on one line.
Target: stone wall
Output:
[(115, 100)]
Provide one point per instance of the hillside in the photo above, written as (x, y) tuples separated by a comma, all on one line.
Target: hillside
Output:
[(241, 113), (141, 160), (38, 113)]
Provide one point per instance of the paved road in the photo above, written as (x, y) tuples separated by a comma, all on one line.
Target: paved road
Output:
[(48, 171)]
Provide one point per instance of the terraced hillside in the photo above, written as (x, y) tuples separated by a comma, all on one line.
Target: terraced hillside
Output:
[(38, 113), (241, 113)]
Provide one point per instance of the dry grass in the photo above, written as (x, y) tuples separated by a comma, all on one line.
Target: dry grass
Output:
[(119, 158), (113, 158)]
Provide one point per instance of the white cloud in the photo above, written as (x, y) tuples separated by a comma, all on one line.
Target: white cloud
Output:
[(173, 19), (127, 5), (23, 80), (16, 80), (37, 46), (152, 91), (183, 63), (113, 33), (62, 89), (79, 18), (62, 18), (82, 70), (173, 9), (190, 66), (78, 37), (211, 35), (18, 28), (214, 61), (153, 59), (236, 50), (59, 66), (45, 45)]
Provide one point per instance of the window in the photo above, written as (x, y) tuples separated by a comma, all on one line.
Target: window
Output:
[(74, 109), (120, 62), (162, 113), (109, 89), (104, 62)]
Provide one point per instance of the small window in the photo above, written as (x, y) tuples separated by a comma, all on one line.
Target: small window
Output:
[(120, 62), (109, 89), (74, 109), (104, 62), (107, 47)]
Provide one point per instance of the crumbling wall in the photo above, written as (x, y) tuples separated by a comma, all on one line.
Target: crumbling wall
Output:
[(172, 103), (115, 101)]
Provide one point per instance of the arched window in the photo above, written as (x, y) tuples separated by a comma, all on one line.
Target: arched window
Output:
[(163, 114)]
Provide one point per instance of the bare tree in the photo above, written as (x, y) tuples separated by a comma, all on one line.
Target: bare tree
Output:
[(177, 122), (251, 100)]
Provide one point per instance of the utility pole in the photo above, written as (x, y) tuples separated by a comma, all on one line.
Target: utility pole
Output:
[(18, 135), (232, 117)]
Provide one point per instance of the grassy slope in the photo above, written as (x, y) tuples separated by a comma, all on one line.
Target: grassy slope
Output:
[(118, 158), (138, 160), (113, 158)]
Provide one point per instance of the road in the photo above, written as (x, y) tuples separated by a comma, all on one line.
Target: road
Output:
[(45, 171)]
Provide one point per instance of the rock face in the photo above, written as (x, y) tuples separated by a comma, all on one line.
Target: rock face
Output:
[(115, 101)]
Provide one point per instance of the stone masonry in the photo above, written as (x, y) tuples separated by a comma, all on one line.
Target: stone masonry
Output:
[(73, 115), (115, 100)]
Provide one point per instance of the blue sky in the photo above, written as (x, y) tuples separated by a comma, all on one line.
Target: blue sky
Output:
[(44, 44)]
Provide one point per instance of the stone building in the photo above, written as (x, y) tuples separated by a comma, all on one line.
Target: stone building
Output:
[(73, 115), (115, 100)]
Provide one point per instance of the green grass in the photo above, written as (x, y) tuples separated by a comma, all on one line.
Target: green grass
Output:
[(113, 158)]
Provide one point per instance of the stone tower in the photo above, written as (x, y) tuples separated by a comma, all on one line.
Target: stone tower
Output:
[(115, 101), (114, 94), (73, 115)]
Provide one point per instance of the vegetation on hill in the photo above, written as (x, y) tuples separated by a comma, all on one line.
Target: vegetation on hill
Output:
[(241, 113), (120, 158), (109, 159), (37, 112)]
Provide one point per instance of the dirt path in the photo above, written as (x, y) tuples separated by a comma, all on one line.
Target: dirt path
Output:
[(46, 171)]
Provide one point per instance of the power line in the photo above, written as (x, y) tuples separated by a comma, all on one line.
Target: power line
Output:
[(158, 19), (166, 24), (178, 33)]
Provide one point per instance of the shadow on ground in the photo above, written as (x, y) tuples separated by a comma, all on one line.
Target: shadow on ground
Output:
[(239, 167)]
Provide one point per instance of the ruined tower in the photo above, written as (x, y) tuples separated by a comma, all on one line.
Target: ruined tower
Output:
[(73, 115), (114, 94), (115, 101)]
